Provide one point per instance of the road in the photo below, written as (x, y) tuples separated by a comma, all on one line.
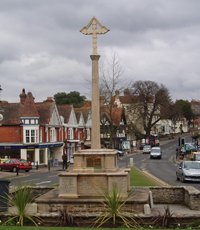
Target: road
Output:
[(41, 177), (164, 168)]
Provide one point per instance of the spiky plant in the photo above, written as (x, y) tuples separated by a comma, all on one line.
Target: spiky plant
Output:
[(114, 211), (163, 220), (20, 199), (65, 218)]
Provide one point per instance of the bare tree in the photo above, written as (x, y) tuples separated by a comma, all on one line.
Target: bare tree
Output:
[(151, 103), (110, 82)]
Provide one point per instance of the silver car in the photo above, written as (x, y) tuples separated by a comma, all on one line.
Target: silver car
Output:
[(188, 171), (146, 149), (156, 153)]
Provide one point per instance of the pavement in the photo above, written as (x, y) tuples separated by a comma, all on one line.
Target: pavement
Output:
[(9, 175)]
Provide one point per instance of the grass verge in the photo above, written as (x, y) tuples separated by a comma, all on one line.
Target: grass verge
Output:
[(138, 178)]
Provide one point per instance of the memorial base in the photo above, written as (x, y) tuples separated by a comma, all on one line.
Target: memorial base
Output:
[(94, 173)]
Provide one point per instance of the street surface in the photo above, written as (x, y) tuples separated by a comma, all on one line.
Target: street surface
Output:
[(165, 168)]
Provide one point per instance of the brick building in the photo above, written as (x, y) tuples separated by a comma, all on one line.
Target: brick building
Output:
[(31, 130)]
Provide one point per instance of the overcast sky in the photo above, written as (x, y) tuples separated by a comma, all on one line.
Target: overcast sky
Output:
[(43, 51)]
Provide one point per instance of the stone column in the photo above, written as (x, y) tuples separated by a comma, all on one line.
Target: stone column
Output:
[(95, 138), (94, 28), (37, 155), (23, 154)]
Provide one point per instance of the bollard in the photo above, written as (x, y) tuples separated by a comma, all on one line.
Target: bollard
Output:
[(37, 165), (49, 166), (131, 162), (17, 170)]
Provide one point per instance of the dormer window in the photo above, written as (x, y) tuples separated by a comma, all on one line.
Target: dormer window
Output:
[(29, 121)]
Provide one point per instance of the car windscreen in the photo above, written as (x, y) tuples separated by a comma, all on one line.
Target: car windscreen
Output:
[(192, 165), (155, 150)]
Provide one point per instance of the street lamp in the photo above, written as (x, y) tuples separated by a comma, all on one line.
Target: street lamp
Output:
[(1, 115)]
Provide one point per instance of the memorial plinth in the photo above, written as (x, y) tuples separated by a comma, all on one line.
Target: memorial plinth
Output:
[(95, 172)]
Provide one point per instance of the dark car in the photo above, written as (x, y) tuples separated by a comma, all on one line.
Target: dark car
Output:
[(15, 164)]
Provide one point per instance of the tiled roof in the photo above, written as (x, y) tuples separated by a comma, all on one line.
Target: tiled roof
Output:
[(29, 108), (85, 110), (45, 110), (11, 113), (65, 111), (116, 114), (78, 114)]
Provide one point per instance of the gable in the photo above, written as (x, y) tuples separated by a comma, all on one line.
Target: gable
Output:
[(89, 119), (72, 119), (55, 118), (81, 121)]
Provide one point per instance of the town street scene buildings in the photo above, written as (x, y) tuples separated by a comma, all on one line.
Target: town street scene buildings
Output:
[(41, 132)]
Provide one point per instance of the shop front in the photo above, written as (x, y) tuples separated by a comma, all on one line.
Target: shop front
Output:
[(36, 153)]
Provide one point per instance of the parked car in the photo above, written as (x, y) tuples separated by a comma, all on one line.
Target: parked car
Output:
[(120, 153), (188, 171), (146, 149), (156, 153), (14, 164)]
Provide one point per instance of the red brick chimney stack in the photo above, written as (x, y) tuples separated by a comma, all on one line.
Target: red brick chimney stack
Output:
[(22, 96)]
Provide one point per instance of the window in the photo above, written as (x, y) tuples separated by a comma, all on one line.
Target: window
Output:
[(70, 134), (53, 135), (31, 136), (88, 134)]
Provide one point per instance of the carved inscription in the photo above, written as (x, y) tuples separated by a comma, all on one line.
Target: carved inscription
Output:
[(68, 185), (93, 161)]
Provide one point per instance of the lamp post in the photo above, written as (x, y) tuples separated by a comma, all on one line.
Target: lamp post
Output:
[(1, 115)]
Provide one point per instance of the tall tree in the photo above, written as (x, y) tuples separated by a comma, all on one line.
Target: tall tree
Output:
[(151, 103), (110, 81), (73, 97), (185, 109)]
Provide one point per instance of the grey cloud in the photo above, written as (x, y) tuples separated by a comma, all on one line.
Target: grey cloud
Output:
[(43, 50)]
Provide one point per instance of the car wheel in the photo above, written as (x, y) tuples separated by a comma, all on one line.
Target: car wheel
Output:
[(0, 169), (182, 178), (14, 169), (27, 170), (177, 178)]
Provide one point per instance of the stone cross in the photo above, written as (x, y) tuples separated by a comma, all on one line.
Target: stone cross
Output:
[(93, 28)]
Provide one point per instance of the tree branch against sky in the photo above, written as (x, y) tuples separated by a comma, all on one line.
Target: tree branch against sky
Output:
[(111, 73), (151, 99), (110, 81)]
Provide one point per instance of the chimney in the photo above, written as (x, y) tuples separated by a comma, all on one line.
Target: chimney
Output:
[(49, 99), (126, 92), (22, 96)]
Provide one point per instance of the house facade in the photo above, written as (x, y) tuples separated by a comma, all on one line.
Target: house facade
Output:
[(30, 130), (41, 132)]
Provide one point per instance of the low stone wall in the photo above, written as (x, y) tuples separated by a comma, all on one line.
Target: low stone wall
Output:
[(185, 195), (192, 198)]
